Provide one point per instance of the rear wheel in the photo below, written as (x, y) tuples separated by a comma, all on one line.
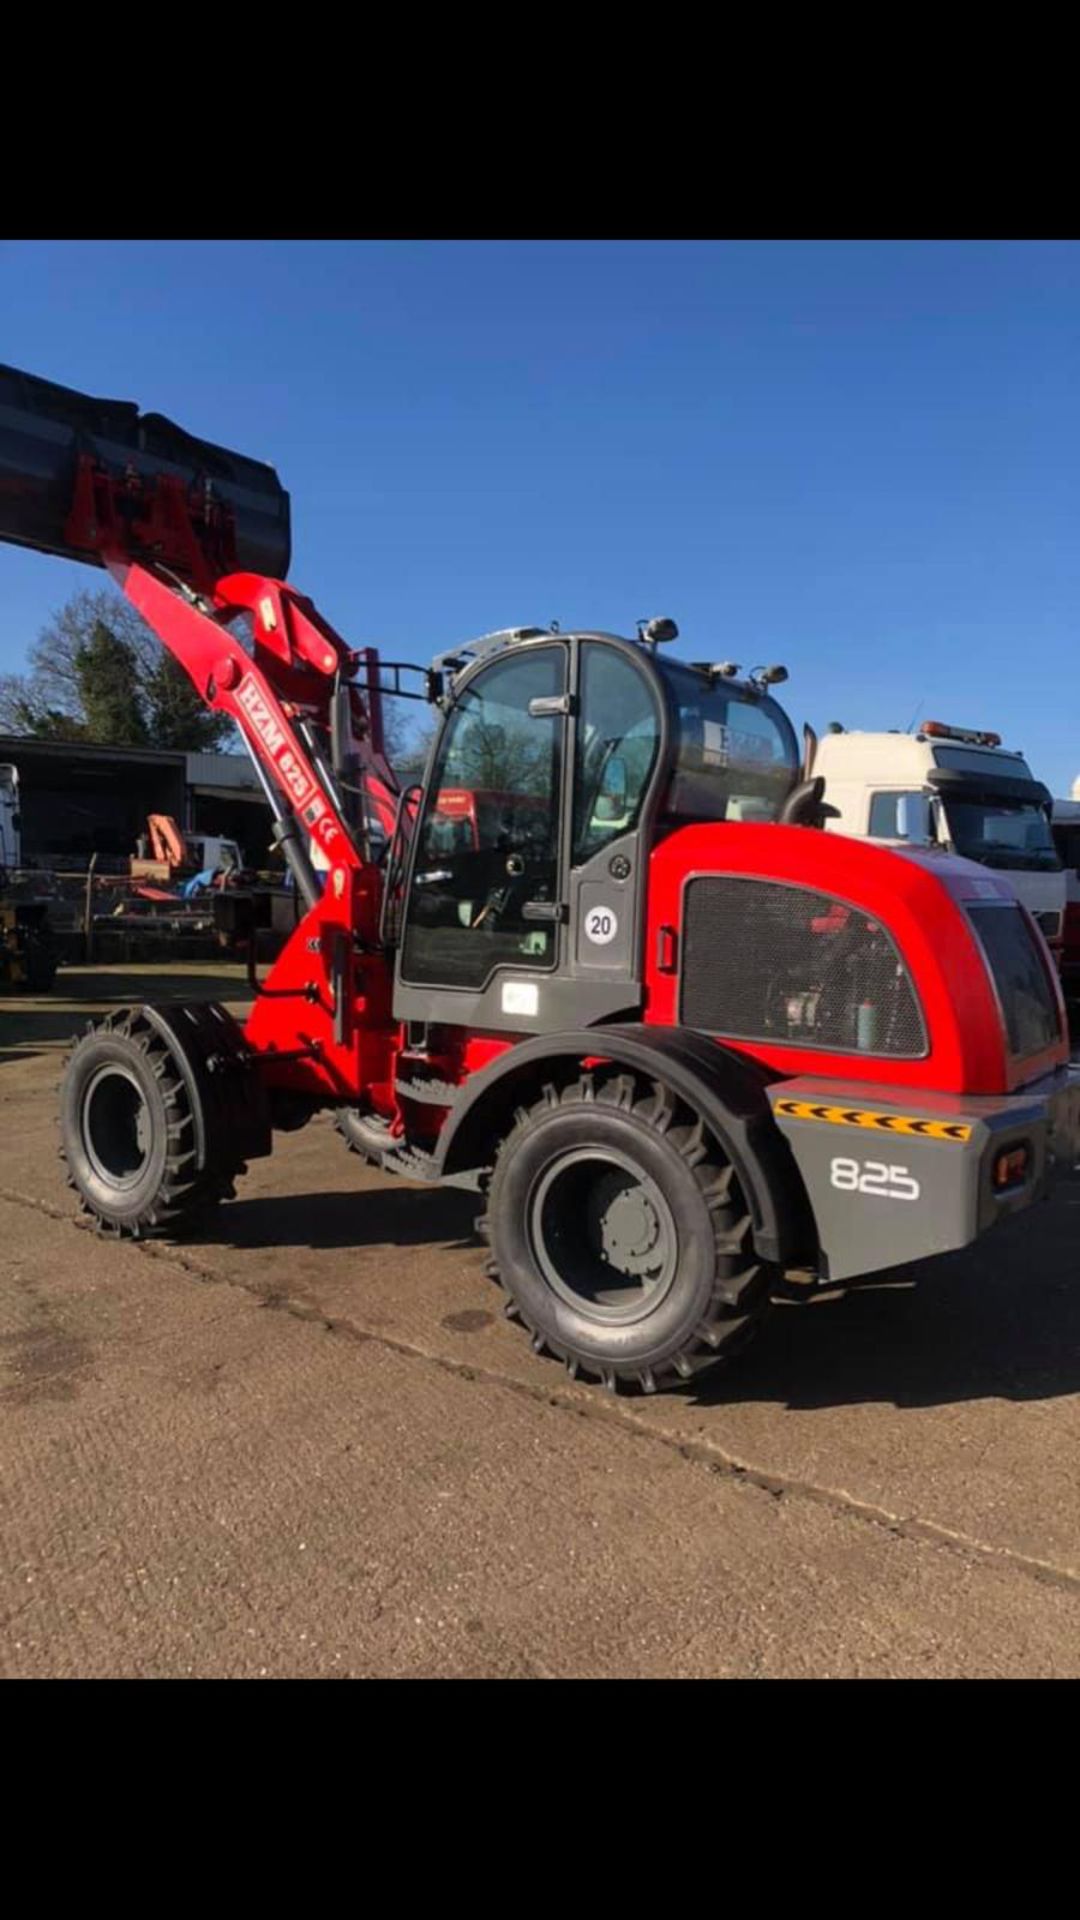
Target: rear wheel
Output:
[(128, 1132), (621, 1235)]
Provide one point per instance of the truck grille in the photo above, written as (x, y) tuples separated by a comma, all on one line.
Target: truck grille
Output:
[(765, 961), (1016, 962)]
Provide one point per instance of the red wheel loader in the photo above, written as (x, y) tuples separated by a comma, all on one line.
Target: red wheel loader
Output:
[(681, 1041)]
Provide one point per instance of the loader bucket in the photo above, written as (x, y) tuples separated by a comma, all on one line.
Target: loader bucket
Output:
[(51, 438)]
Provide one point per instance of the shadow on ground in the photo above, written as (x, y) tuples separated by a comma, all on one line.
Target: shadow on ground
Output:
[(389, 1216), (999, 1322), (32, 1023)]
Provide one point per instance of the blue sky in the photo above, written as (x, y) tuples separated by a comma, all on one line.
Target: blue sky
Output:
[(858, 458)]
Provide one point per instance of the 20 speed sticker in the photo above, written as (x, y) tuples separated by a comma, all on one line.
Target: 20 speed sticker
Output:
[(601, 926)]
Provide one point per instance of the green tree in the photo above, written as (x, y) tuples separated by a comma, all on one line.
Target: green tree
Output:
[(44, 723), (408, 739), (141, 696), (106, 671), (176, 717), (502, 759)]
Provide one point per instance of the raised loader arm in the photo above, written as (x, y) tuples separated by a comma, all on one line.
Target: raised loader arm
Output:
[(174, 519)]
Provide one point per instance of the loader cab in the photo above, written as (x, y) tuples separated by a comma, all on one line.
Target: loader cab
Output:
[(559, 761)]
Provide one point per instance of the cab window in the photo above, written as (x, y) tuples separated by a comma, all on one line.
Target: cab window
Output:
[(899, 816), (618, 738), (736, 756), (488, 843)]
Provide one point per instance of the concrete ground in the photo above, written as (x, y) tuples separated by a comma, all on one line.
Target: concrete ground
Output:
[(312, 1445)]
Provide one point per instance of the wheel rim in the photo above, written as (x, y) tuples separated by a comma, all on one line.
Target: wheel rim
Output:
[(603, 1235), (116, 1127)]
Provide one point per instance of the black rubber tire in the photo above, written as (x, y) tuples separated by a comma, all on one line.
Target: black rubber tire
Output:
[(41, 960), (367, 1134), (718, 1293), (126, 1059)]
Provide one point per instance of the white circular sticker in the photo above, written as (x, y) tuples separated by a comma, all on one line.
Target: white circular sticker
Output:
[(601, 926)]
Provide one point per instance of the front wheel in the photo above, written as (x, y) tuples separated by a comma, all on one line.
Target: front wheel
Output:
[(621, 1235), (127, 1132)]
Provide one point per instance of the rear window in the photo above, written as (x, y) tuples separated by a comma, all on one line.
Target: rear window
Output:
[(1016, 962), (735, 753)]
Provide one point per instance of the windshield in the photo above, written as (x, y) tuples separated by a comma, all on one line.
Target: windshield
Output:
[(1003, 834), (736, 756)]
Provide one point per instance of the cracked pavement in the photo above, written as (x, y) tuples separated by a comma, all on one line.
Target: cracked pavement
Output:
[(312, 1445)]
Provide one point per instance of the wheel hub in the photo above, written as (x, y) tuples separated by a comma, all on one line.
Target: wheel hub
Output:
[(603, 1234), (115, 1126), (629, 1227)]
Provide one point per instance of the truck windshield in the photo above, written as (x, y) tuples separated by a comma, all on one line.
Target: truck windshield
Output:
[(1003, 835), (735, 758)]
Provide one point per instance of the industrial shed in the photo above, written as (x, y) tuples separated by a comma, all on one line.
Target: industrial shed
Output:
[(79, 798), (223, 796)]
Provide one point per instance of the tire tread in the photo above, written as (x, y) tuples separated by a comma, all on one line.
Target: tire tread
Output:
[(742, 1284)]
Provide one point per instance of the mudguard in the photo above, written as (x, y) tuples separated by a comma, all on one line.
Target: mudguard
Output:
[(228, 1099), (729, 1093)]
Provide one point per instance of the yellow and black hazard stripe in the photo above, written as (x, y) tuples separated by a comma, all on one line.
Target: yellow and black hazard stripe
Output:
[(875, 1122)]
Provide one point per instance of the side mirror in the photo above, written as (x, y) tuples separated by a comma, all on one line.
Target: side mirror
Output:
[(803, 806)]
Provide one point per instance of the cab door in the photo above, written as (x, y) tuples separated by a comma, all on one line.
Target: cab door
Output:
[(485, 912), (526, 891), (619, 731)]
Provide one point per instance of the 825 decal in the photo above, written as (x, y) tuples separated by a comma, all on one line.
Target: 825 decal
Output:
[(873, 1177)]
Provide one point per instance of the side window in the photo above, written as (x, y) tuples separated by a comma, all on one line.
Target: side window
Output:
[(488, 847), (897, 816), (618, 737)]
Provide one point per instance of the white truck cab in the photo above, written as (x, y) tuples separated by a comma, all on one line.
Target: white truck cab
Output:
[(209, 851), (10, 822), (951, 788)]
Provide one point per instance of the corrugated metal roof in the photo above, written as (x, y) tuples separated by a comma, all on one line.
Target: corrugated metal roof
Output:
[(18, 746), (220, 770)]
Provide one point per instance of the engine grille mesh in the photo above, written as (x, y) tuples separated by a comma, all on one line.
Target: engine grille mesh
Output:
[(763, 961)]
